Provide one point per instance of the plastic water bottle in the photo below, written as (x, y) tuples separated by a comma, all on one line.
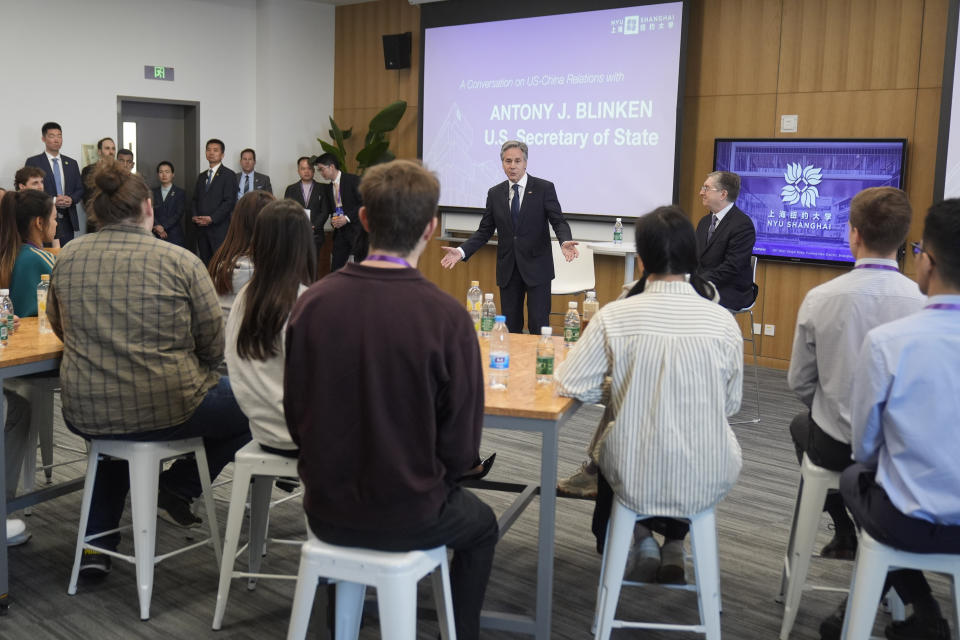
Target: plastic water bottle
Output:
[(545, 353), (6, 317), (42, 289), (499, 354), (488, 315), (618, 231), (474, 302), (571, 325), (590, 308)]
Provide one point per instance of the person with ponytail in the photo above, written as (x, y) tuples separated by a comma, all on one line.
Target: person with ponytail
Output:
[(231, 266), (675, 358), (28, 219), (143, 339), (285, 262)]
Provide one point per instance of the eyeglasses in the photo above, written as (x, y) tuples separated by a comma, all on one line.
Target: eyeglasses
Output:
[(706, 188), (917, 249)]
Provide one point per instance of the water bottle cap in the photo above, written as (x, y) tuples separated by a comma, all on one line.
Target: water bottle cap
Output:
[(591, 294), (4, 292), (488, 296), (619, 219), (572, 305), (44, 277), (499, 318), (546, 331), (474, 283)]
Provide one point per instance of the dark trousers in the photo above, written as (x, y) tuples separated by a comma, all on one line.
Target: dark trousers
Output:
[(206, 246), (343, 245), (828, 453), (465, 524), (218, 420), (873, 511), (669, 528), (65, 230), (538, 304)]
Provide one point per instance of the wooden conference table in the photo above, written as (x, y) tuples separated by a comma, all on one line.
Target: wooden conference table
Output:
[(28, 351), (527, 406)]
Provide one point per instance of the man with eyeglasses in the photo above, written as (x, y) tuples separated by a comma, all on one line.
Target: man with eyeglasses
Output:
[(904, 489), (725, 241), (831, 324)]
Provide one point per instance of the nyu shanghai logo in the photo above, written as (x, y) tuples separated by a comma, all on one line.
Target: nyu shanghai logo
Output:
[(801, 185)]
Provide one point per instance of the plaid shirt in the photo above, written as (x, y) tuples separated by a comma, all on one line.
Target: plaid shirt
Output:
[(142, 331)]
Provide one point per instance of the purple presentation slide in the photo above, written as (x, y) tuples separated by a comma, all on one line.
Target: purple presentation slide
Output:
[(593, 94), (798, 192)]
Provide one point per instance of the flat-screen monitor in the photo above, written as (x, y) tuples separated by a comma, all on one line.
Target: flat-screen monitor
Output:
[(594, 95), (947, 178), (798, 191)]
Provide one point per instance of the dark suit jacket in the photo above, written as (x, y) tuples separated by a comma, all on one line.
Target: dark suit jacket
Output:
[(350, 237), (319, 206), (261, 181), (169, 213), (528, 246), (217, 202), (725, 260), (72, 184)]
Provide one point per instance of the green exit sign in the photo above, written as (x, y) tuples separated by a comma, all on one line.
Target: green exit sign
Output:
[(151, 72)]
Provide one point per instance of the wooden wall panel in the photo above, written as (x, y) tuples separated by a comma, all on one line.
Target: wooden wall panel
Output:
[(717, 54), (848, 45), (848, 68)]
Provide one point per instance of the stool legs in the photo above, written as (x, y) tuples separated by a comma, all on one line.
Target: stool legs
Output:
[(443, 597), (306, 589), (349, 610), (93, 457), (619, 538), (259, 520), (866, 589), (706, 566), (397, 604), (208, 504), (241, 483), (144, 483)]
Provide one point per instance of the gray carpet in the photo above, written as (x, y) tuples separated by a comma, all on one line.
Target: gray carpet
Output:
[(753, 524)]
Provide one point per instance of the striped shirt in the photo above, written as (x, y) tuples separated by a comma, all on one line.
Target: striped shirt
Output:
[(676, 363), (141, 327), (831, 325)]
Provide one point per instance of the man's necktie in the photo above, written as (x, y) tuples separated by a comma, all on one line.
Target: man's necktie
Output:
[(246, 184), (56, 176), (515, 206), (713, 226), (209, 177)]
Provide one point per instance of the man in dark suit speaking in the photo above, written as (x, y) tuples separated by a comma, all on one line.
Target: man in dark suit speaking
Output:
[(312, 196), (519, 210), (725, 241), (61, 181)]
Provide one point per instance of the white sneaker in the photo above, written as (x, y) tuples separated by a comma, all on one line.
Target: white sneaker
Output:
[(17, 533)]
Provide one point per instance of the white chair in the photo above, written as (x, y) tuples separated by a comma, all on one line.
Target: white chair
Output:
[(395, 576), (572, 277), (251, 462), (144, 460), (752, 341), (874, 560), (703, 539)]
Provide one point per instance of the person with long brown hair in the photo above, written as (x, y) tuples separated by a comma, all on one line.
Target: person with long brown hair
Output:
[(285, 262), (28, 219), (231, 266), (143, 339)]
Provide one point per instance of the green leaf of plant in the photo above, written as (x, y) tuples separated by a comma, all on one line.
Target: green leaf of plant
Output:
[(389, 118), (370, 154)]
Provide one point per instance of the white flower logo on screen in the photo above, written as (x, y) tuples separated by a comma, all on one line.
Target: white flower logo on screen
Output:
[(801, 184)]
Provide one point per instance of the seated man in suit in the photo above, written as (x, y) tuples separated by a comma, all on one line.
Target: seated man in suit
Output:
[(169, 201), (29, 178), (725, 241), (312, 196), (904, 489), (831, 325), (519, 209), (249, 180), (213, 200), (62, 181), (343, 192), (375, 476)]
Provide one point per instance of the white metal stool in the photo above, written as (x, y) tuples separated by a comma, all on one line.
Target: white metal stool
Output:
[(815, 482), (874, 560), (703, 539), (143, 460), (395, 576), (251, 462)]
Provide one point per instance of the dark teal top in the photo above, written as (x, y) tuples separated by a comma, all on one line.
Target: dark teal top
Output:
[(30, 265)]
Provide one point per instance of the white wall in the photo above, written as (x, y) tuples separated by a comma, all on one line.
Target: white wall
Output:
[(98, 48)]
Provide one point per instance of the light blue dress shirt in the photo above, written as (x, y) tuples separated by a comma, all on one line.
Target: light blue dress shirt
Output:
[(905, 411)]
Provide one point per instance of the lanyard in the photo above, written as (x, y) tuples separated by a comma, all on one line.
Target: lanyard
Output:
[(378, 257), (869, 265), (943, 305)]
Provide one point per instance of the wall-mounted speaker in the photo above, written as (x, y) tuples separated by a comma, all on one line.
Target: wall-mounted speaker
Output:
[(396, 50)]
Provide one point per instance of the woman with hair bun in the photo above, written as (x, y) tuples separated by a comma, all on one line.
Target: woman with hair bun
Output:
[(143, 339), (675, 358)]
